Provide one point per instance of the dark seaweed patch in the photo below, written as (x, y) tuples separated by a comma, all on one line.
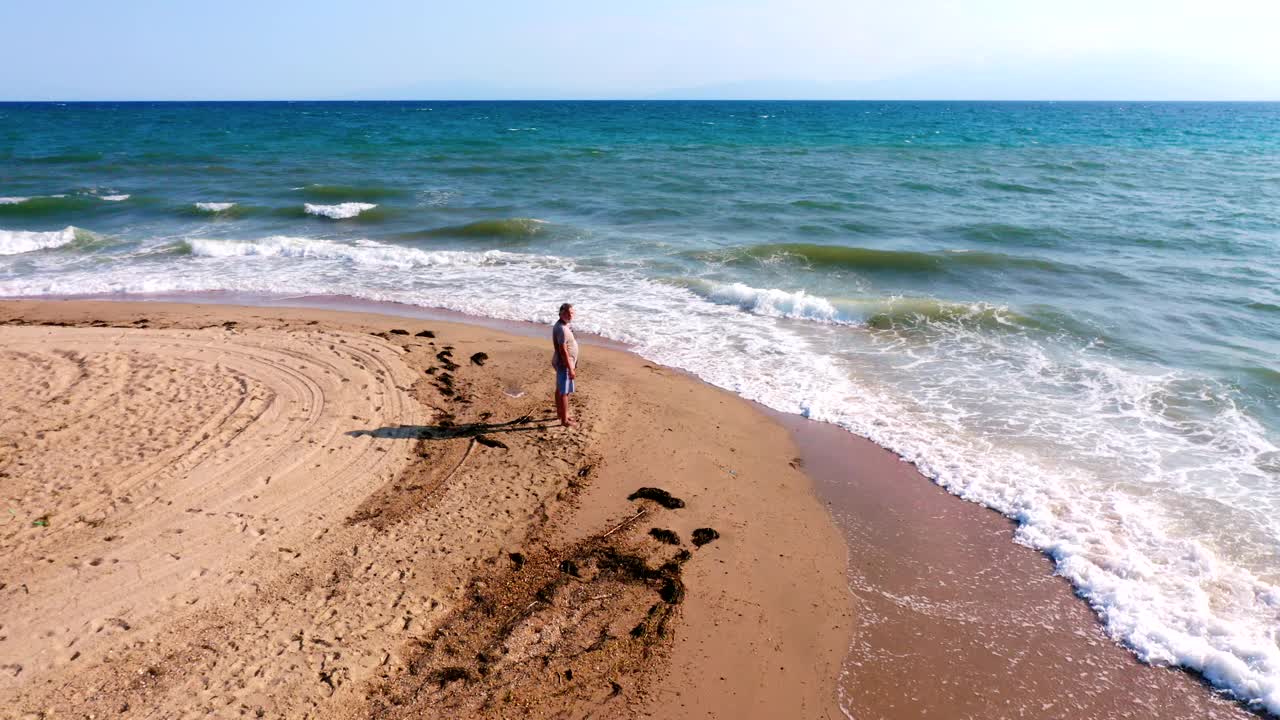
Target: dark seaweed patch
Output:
[(672, 590), (665, 536), (446, 359), (702, 536), (446, 675), (658, 495)]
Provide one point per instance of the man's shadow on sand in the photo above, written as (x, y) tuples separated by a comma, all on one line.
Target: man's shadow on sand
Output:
[(450, 431)]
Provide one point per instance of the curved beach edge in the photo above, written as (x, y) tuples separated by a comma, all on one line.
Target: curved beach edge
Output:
[(288, 511)]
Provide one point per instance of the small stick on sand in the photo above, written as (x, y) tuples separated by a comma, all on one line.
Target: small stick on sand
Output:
[(465, 455), (623, 523), (522, 613)]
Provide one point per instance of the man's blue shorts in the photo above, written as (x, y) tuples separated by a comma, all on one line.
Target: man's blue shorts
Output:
[(564, 384)]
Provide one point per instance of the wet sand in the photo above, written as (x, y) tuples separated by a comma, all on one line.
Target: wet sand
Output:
[(953, 619)]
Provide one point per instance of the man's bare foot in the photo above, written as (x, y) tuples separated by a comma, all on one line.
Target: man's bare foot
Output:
[(570, 423)]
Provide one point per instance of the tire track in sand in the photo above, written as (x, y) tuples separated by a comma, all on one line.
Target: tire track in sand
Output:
[(214, 447)]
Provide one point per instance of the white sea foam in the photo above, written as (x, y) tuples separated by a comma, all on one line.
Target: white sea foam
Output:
[(16, 242), (214, 207), (876, 311), (770, 302), (114, 198), (1123, 474), (341, 211), (364, 253), (13, 200)]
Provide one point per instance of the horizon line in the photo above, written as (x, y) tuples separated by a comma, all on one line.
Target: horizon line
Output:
[(640, 100)]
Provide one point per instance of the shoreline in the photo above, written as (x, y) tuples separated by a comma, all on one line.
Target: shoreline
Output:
[(954, 615), (1005, 655)]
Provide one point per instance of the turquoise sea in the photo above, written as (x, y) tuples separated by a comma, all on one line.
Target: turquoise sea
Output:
[(1067, 312)]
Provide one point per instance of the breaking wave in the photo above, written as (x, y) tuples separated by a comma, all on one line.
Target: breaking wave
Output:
[(341, 211), (214, 207), (16, 242), (365, 252), (771, 302)]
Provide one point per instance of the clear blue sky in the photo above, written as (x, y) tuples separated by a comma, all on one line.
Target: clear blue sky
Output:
[(325, 49)]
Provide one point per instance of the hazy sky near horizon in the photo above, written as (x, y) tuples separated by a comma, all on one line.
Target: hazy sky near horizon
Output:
[(377, 49)]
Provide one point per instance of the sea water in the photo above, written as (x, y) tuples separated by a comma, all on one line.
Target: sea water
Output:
[(1067, 312)]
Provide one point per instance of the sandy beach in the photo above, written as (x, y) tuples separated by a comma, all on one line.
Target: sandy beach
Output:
[(266, 512), (280, 512)]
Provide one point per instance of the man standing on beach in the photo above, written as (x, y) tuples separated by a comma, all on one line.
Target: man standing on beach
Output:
[(564, 359)]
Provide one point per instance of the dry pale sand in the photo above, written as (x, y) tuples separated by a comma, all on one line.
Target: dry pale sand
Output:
[(227, 512)]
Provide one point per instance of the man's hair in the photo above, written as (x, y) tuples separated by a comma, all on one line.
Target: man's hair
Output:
[(566, 306)]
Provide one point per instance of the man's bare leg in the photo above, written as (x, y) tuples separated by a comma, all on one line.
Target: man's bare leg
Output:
[(562, 410)]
